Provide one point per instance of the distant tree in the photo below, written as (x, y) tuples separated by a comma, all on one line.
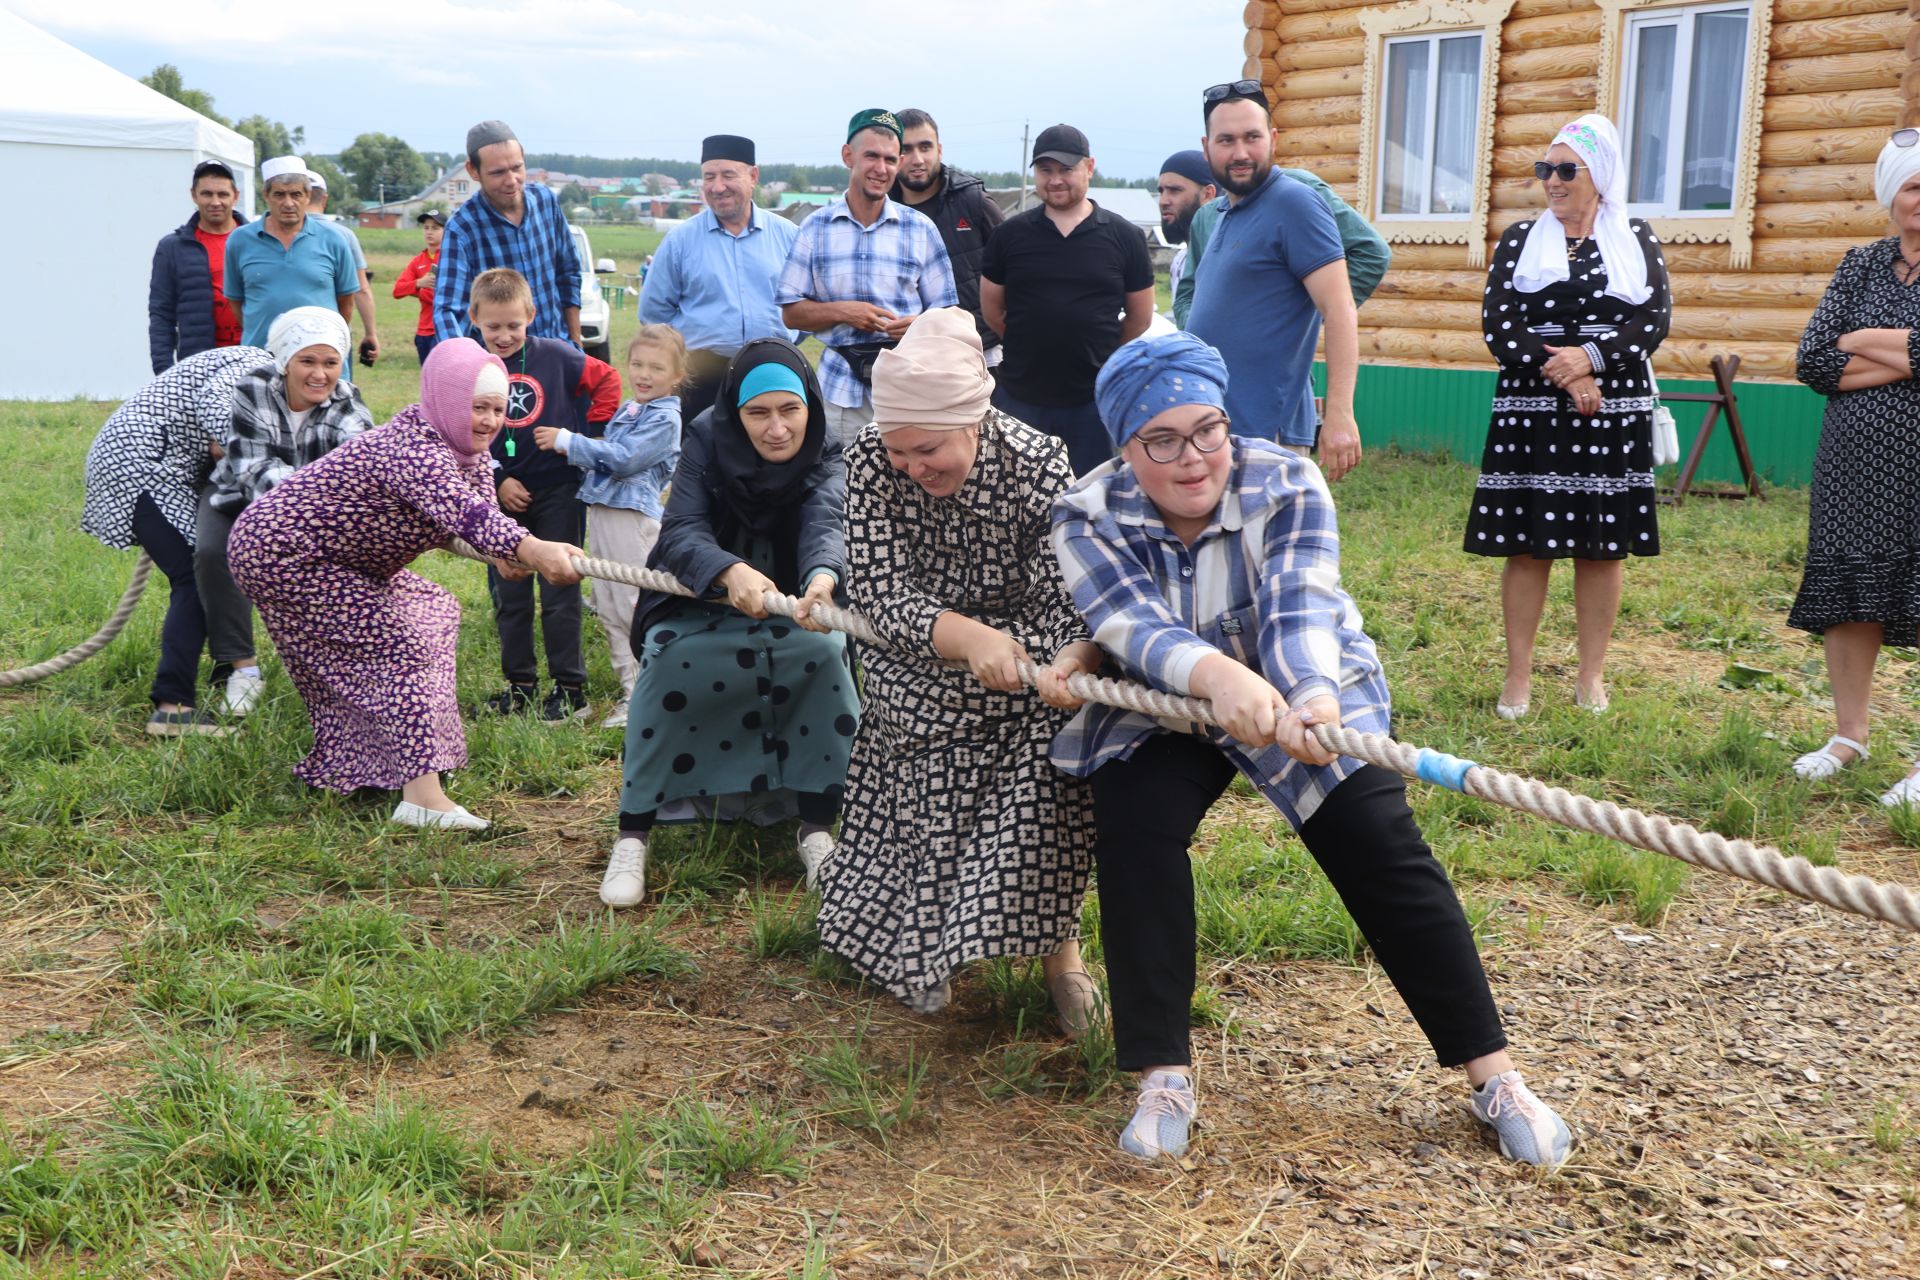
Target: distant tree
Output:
[(657, 184), (574, 194), (440, 161), (385, 168), (165, 79), (270, 138), (341, 199)]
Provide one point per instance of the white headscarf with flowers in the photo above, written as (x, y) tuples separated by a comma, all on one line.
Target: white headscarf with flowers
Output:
[(1543, 258)]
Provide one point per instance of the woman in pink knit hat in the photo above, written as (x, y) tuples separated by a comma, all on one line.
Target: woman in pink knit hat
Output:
[(369, 645)]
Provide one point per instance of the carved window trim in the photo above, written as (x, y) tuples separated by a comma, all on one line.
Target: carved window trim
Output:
[(1419, 17), (1734, 228)]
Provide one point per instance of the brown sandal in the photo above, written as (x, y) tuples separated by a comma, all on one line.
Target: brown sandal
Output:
[(1076, 999)]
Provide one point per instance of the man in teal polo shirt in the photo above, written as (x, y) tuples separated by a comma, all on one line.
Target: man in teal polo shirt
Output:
[(283, 261)]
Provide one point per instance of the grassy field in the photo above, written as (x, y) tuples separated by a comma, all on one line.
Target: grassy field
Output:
[(247, 1030)]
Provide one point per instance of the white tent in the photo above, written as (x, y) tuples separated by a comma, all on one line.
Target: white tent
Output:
[(98, 170)]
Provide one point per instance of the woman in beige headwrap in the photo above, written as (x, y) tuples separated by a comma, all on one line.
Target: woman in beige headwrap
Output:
[(959, 840)]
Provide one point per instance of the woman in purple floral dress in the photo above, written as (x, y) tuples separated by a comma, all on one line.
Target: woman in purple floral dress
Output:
[(369, 645)]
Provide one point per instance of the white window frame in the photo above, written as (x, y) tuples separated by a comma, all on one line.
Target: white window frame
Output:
[(1428, 20), (1732, 227), (1682, 20), (1432, 40)]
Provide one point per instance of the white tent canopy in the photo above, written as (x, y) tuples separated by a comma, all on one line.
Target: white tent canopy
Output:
[(111, 161)]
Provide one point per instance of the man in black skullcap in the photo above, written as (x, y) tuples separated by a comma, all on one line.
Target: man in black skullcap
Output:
[(713, 277)]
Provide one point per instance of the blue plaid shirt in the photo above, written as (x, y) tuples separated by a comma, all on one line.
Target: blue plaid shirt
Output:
[(1261, 584), (899, 263), (541, 248)]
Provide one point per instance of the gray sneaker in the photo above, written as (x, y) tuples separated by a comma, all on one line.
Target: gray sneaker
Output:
[(1529, 1130), (1161, 1118)]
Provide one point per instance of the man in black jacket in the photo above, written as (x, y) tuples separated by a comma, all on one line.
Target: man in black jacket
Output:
[(186, 311), (959, 205)]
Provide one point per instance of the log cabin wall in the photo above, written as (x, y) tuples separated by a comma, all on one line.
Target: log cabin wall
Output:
[(1838, 76)]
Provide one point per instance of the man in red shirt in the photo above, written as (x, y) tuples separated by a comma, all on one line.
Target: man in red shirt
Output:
[(418, 278), (186, 311)]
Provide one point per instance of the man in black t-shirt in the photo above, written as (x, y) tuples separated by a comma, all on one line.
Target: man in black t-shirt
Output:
[(1055, 282)]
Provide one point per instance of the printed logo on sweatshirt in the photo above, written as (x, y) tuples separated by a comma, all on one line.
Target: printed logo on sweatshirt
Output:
[(525, 400), (963, 225)]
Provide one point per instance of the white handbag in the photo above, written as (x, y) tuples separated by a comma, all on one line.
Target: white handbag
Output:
[(1666, 432)]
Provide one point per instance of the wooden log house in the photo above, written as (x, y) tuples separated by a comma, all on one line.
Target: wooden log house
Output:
[(1751, 128)]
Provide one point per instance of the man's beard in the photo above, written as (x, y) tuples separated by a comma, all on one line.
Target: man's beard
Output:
[(1176, 232), (933, 176), (1226, 183)]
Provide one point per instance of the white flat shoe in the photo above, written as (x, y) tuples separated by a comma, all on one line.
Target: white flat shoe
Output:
[(625, 881), (1905, 792), (815, 851), (1510, 710), (1598, 706), (1816, 765), (408, 814)]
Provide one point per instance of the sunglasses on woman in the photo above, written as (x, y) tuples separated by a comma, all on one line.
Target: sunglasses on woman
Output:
[(1904, 137), (1248, 89), (1565, 169)]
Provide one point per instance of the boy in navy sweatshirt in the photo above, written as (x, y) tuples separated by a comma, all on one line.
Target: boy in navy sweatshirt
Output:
[(550, 383)]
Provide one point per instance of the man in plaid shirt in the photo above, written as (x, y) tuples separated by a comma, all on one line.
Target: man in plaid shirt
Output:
[(511, 223), (861, 271)]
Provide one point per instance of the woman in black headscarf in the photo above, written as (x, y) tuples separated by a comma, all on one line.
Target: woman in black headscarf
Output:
[(729, 701)]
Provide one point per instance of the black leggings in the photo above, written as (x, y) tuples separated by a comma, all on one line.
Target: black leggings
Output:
[(1146, 809), (817, 809), (184, 633)]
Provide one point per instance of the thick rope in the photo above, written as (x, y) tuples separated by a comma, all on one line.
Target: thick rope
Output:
[(129, 600), (1760, 864)]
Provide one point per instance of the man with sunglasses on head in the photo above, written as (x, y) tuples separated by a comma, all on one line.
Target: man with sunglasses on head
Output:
[(1274, 272)]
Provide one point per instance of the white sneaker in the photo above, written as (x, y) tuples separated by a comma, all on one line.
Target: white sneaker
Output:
[(815, 850), (409, 814), (616, 718), (243, 693), (625, 882)]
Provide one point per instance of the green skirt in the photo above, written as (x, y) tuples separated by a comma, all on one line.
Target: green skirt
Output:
[(726, 705)]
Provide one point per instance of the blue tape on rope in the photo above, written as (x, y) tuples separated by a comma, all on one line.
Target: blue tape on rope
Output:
[(1442, 769)]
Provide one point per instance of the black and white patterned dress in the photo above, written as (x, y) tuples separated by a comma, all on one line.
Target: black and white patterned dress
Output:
[(156, 443), (1863, 529), (959, 839), (1555, 482)]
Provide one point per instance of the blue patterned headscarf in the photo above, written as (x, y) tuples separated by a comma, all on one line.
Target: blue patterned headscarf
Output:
[(1150, 375)]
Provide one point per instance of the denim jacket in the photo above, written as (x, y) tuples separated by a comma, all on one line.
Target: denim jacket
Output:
[(630, 465)]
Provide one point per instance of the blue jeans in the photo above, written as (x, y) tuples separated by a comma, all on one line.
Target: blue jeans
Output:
[(1088, 444)]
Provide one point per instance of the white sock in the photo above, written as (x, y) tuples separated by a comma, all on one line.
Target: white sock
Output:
[(253, 671)]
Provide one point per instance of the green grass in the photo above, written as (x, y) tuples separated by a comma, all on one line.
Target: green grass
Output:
[(238, 916)]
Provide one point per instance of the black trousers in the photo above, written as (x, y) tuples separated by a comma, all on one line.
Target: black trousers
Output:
[(554, 515), (816, 809), (184, 632), (1146, 810)]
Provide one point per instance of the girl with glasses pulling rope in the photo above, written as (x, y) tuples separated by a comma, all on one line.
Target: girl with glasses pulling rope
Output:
[(1208, 565), (1576, 304)]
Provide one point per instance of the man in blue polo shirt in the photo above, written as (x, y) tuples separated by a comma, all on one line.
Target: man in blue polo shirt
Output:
[(713, 277), (283, 260), (1274, 272)]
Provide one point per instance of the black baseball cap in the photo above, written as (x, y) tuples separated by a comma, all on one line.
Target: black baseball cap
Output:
[(214, 168), (433, 214), (1060, 142)]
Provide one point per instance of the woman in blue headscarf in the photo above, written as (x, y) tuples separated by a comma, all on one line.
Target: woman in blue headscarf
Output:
[(1208, 565)]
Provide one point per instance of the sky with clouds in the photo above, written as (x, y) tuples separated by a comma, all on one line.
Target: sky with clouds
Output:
[(645, 78)]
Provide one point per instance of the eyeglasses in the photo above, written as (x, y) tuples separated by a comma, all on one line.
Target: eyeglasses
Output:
[(1904, 137), (1235, 89), (1167, 446), (1566, 169)]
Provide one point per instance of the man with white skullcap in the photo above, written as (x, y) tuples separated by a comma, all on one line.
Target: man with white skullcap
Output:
[(285, 260)]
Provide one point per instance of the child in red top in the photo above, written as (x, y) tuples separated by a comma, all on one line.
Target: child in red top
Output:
[(417, 279)]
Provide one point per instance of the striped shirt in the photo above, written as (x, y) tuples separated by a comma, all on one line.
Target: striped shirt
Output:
[(541, 248), (1261, 584), (899, 263)]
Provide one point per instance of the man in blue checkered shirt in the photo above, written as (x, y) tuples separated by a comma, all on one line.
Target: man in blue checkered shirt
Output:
[(511, 223), (861, 271)]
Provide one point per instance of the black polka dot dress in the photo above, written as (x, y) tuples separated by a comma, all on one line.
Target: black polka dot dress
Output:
[(725, 705), (1863, 529), (959, 839), (1555, 482)]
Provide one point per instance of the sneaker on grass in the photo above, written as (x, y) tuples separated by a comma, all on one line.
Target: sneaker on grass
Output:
[(409, 814), (1529, 1130), (185, 723), (1161, 1117), (564, 704), (625, 881), (515, 699), (616, 718), (243, 692), (815, 850)]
